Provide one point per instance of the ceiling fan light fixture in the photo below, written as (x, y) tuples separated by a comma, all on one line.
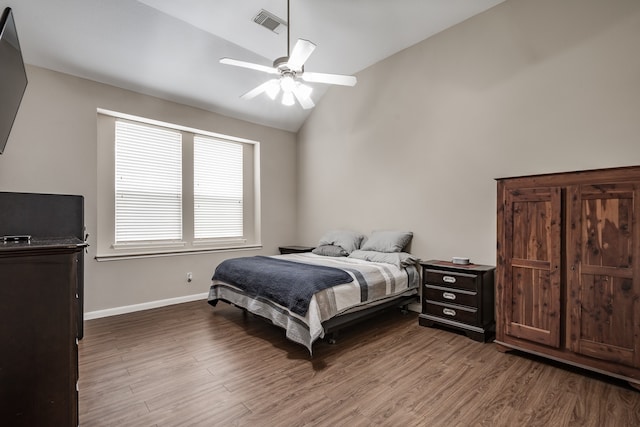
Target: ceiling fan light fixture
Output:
[(287, 83), (287, 99)]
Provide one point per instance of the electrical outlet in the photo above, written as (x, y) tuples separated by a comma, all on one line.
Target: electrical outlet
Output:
[(189, 277)]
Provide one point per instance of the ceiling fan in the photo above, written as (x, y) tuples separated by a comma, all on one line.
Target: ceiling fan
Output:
[(290, 70)]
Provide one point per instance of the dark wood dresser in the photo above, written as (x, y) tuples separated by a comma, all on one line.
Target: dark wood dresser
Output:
[(38, 332), (459, 296)]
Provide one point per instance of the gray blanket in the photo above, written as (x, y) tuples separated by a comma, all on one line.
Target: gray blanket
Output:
[(290, 284)]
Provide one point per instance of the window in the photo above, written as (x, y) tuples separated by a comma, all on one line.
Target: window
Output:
[(170, 189), (148, 183), (217, 188)]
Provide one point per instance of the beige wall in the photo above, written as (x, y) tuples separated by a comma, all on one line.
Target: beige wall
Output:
[(52, 149), (528, 87)]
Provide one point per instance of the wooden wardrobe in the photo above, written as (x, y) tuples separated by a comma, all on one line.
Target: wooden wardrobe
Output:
[(568, 268)]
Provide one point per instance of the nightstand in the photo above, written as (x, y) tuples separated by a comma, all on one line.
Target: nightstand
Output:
[(295, 249), (459, 297)]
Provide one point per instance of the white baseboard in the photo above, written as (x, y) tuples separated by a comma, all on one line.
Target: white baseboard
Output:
[(144, 306)]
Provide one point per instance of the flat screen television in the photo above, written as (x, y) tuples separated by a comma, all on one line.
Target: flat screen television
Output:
[(13, 76)]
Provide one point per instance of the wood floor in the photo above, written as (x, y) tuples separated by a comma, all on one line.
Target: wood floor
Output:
[(193, 365)]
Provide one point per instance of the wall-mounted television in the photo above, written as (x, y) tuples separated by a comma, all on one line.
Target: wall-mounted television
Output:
[(13, 76)]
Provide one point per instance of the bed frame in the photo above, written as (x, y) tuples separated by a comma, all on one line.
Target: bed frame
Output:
[(333, 326)]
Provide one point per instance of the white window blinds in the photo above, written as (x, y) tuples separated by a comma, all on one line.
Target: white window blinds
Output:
[(218, 197), (148, 187)]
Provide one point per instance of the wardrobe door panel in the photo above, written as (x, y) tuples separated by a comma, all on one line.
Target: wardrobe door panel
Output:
[(603, 289), (532, 265)]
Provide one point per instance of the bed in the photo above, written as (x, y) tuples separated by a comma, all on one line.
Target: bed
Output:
[(313, 295)]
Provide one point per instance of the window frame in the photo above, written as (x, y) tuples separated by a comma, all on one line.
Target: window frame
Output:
[(107, 249)]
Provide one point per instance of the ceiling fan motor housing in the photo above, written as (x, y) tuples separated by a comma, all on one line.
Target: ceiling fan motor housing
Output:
[(282, 64)]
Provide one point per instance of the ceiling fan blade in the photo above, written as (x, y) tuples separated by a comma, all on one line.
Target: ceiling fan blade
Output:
[(301, 52), (258, 90), (301, 92), (250, 65), (332, 79)]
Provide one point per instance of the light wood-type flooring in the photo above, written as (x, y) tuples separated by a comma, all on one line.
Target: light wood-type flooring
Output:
[(195, 365)]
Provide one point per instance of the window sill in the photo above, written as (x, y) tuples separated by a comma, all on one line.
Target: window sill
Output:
[(161, 253)]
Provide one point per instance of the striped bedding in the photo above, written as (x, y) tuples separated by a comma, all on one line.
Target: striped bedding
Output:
[(373, 283)]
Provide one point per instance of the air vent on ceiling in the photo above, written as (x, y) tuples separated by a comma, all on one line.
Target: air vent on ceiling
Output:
[(269, 20)]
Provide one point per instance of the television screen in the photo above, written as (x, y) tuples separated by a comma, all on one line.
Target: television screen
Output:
[(13, 77)]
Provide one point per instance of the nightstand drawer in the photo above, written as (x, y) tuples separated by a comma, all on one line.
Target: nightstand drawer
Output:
[(451, 296), (450, 279), (453, 312)]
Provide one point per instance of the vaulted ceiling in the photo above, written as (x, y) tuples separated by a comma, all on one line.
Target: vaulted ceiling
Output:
[(171, 49)]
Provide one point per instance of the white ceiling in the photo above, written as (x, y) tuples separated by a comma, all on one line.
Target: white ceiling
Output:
[(171, 49)]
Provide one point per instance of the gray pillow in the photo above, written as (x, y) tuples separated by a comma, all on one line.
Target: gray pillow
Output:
[(330, 250), (387, 241), (347, 240), (399, 259)]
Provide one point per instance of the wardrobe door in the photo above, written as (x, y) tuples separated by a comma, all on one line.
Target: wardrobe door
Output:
[(532, 250), (603, 289)]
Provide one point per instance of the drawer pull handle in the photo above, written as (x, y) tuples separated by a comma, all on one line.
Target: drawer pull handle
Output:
[(449, 312), (448, 295), (449, 279)]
